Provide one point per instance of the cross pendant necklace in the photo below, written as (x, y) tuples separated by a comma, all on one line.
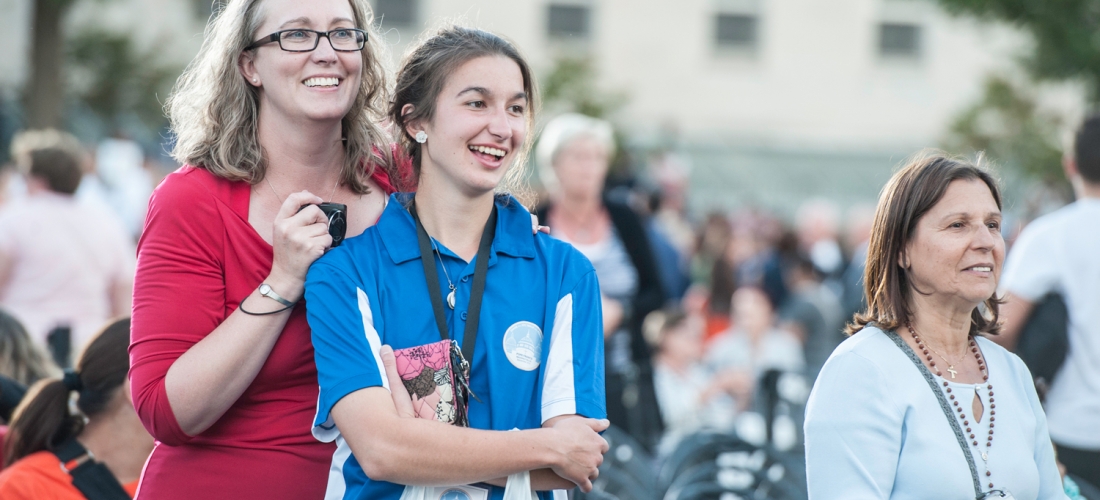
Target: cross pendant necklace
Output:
[(950, 366)]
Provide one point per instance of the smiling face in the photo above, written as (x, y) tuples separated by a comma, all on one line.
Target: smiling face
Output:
[(478, 125), (320, 85), (957, 249)]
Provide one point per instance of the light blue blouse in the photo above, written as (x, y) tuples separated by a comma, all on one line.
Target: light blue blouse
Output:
[(875, 429)]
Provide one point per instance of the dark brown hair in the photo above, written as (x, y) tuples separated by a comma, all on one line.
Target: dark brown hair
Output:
[(43, 421), (910, 194), (658, 323), (1086, 148), (58, 167), (424, 73)]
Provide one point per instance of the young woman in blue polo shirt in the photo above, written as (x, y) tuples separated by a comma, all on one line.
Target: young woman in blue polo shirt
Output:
[(463, 106)]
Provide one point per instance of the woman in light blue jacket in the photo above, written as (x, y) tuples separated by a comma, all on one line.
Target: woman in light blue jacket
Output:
[(918, 403)]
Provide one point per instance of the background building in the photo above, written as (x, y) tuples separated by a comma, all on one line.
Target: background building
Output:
[(768, 102)]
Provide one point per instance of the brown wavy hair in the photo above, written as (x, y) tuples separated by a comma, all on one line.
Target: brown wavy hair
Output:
[(213, 110), (424, 72), (910, 194)]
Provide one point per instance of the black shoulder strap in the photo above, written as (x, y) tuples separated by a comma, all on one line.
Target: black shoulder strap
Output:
[(92, 478), (944, 406)]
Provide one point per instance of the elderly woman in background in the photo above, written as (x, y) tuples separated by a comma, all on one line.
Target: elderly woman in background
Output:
[(918, 404), (574, 154)]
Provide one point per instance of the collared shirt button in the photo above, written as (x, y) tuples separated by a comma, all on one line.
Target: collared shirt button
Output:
[(463, 315)]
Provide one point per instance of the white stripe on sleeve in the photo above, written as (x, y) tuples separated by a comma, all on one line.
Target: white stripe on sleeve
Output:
[(559, 391), (372, 336), (336, 485), (326, 432)]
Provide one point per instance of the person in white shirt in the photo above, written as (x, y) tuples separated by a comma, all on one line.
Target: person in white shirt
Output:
[(753, 345), (690, 397), (63, 262), (1058, 253), (918, 403)]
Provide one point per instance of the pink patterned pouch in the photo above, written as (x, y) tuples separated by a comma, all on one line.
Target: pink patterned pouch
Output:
[(437, 378)]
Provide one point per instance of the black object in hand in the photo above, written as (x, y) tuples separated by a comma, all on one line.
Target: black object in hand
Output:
[(337, 214)]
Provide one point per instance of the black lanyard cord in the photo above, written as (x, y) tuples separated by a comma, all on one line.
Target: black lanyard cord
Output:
[(481, 268)]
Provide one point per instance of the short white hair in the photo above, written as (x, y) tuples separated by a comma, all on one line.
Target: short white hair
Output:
[(563, 130)]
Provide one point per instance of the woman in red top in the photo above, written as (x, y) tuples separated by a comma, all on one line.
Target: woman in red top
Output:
[(278, 111), (111, 442)]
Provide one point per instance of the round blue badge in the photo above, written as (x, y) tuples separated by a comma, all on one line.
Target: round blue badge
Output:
[(454, 494), (523, 345)]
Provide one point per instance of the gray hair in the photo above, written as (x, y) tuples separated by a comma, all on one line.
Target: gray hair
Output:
[(213, 111), (563, 130)]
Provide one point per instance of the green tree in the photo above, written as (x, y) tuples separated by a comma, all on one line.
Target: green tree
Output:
[(1006, 123), (1010, 128), (103, 71), (570, 85), (44, 90), (116, 80), (1066, 34)]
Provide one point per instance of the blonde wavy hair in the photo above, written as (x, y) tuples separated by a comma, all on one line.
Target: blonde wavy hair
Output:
[(213, 111)]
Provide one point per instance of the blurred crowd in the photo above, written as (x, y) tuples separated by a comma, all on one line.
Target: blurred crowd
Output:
[(752, 293), (706, 316), (697, 309)]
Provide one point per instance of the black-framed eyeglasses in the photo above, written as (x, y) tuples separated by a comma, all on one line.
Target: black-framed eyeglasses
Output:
[(303, 40)]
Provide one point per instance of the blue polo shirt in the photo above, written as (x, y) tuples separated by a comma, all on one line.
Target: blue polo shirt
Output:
[(541, 295)]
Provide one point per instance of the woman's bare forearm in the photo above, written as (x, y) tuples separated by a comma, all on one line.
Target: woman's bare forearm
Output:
[(207, 379), (424, 452)]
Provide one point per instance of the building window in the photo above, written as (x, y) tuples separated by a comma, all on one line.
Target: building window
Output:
[(899, 40), (735, 30), (568, 21), (395, 12)]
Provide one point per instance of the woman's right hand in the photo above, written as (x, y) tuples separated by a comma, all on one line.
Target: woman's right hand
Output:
[(580, 447), (402, 401), (299, 237)]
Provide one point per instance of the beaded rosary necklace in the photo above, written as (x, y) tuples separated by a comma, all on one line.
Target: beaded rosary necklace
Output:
[(958, 409)]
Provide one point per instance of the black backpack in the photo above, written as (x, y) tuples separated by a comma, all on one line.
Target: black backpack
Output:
[(92, 478), (1044, 340)]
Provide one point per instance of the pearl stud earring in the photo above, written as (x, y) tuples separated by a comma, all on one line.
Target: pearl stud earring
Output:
[(421, 137)]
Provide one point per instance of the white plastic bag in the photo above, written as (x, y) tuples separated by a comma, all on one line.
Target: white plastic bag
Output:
[(415, 493), (518, 487)]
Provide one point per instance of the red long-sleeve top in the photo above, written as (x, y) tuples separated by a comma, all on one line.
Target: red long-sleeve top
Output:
[(197, 259)]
